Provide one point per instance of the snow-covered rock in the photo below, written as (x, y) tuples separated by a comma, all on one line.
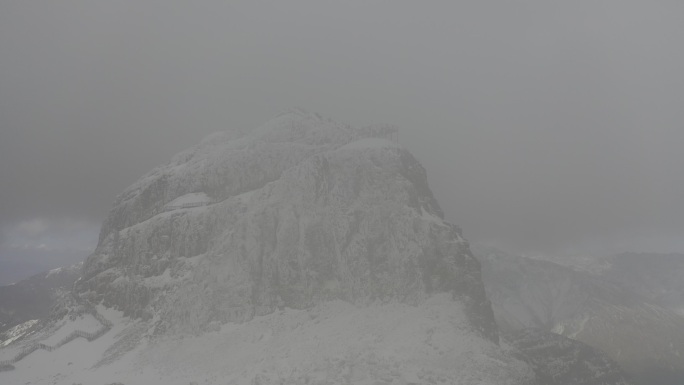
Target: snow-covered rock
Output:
[(656, 277), (306, 251), (32, 298), (17, 332), (304, 210)]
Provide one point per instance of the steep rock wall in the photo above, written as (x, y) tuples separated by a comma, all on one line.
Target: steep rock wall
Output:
[(302, 210)]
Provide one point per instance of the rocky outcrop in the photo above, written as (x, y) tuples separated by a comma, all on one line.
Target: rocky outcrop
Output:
[(558, 360), (301, 211)]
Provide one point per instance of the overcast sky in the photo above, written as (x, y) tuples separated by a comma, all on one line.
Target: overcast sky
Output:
[(545, 127)]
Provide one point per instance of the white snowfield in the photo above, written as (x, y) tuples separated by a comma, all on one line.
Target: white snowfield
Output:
[(89, 325), (86, 323), (189, 201), (333, 343)]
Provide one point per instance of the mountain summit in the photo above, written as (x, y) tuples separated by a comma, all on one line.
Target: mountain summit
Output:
[(299, 211), (304, 251)]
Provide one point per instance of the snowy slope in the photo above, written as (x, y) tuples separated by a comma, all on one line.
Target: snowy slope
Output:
[(32, 298), (334, 342), (17, 332)]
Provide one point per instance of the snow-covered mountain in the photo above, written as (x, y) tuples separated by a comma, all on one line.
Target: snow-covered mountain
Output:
[(306, 251), (644, 337), (657, 277), (32, 298), (301, 211)]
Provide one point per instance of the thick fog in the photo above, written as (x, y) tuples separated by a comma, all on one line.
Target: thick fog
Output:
[(545, 127)]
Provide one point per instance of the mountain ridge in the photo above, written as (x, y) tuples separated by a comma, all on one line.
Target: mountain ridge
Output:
[(591, 306)]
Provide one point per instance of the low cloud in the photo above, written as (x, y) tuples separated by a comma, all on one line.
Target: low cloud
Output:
[(51, 234), (544, 126), (39, 244)]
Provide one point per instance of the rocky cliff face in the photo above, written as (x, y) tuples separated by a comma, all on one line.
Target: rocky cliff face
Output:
[(300, 211)]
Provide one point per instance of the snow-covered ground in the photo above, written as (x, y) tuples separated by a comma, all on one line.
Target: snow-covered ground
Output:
[(333, 343), (75, 358), (187, 200), (17, 332), (85, 322)]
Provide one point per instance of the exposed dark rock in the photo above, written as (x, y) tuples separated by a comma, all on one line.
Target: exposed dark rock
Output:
[(558, 360)]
